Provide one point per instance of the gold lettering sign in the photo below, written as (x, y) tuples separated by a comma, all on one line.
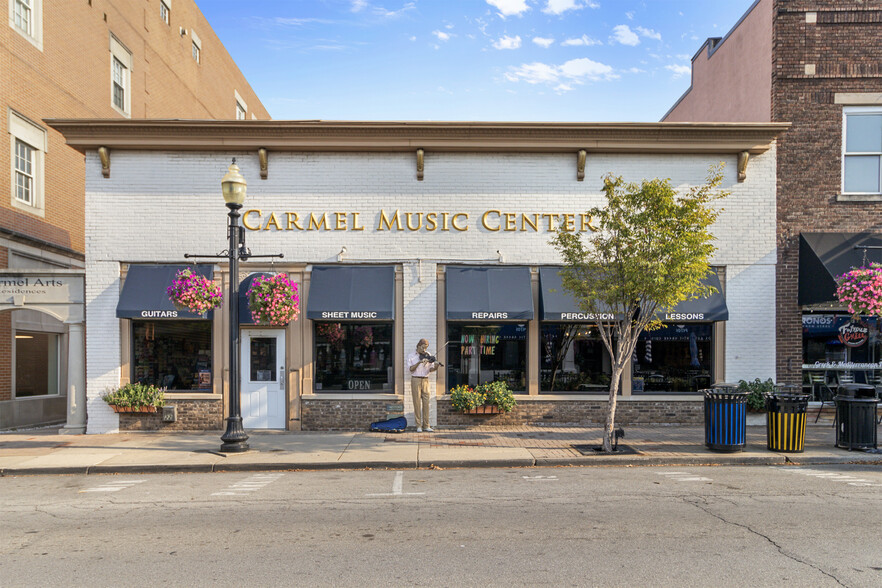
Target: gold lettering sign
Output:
[(398, 221)]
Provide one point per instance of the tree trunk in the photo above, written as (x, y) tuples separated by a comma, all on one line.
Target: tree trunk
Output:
[(611, 409)]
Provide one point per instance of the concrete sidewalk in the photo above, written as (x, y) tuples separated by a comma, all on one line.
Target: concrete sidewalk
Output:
[(43, 451)]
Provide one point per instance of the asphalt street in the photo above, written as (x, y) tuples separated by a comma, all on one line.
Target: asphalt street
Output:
[(635, 526)]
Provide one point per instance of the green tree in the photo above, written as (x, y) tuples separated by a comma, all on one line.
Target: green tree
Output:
[(649, 252)]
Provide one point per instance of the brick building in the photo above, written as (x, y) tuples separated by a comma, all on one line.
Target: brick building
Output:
[(390, 243), (90, 59), (818, 65)]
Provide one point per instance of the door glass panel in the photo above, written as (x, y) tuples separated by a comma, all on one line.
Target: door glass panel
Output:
[(263, 359)]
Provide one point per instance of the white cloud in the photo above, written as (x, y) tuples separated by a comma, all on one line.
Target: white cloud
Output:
[(358, 5), (442, 36), (624, 35), (562, 77), (509, 7), (379, 11), (561, 6), (584, 40), (630, 15), (649, 33), (679, 70), (413, 37), (543, 42), (506, 42)]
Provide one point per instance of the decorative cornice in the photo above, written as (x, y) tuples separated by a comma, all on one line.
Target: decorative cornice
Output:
[(211, 135)]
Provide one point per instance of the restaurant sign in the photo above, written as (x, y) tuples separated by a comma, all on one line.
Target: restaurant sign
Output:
[(854, 333)]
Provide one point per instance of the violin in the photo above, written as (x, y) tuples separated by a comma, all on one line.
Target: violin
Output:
[(430, 358)]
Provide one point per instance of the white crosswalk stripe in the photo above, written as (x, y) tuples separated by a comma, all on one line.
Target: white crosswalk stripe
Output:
[(251, 484), (832, 476), (115, 486), (684, 477)]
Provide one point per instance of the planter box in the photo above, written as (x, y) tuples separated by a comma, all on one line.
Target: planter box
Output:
[(135, 409), (487, 409)]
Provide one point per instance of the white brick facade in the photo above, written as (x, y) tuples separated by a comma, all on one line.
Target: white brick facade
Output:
[(157, 205)]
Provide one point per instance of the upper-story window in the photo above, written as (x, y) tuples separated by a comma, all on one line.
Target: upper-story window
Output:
[(241, 106), (26, 18), (27, 150), (120, 77), (862, 151), (165, 10), (119, 84), (197, 47)]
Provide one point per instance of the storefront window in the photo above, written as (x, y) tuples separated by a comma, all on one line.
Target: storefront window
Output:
[(353, 357), (841, 348), (675, 358), (573, 359), (477, 354), (36, 364), (172, 354)]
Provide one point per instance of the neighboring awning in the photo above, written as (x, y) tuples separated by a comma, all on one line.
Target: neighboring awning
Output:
[(825, 256), (144, 292), (702, 310), (489, 293), (350, 293), (556, 304), (244, 311)]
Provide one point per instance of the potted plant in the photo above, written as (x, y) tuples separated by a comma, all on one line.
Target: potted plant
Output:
[(465, 398), (274, 300), (135, 397), (490, 398), (861, 290), (757, 392), (193, 292)]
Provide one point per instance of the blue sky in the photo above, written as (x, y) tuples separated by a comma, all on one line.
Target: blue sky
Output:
[(489, 60)]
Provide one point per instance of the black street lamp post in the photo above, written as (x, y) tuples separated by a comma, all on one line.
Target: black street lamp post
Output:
[(234, 189)]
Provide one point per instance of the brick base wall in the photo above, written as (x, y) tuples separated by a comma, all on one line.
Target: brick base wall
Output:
[(579, 412), (345, 415), (193, 415)]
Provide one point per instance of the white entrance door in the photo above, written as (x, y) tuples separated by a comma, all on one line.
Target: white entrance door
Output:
[(263, 378)]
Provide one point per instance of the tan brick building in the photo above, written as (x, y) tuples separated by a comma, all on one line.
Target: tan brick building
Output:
[(818, 65), (84, 59)]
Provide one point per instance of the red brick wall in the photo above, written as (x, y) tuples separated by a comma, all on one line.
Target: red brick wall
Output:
[(846, 47), (70, 78)]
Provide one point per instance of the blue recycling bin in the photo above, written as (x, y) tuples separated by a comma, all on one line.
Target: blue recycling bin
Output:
[(725, 419)]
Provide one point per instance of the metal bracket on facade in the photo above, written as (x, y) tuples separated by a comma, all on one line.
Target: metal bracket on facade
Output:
[(104, 154), (264, 166), (743, 157), (580, 165), (421, 164)]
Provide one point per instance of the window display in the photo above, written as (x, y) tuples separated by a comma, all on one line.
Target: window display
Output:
[(36, 363), (481, 353), (674, 358), (573, 359), (353, 357), (172, 354)]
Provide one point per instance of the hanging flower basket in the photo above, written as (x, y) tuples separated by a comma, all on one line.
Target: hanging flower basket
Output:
[(273, 300), (194, 293), (861, 290)]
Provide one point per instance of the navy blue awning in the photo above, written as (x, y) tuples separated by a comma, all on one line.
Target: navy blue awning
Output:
[(489, 293), (144, 293), (556, 304), (823, 257), (702, 310), (244, 311), (349, 293)]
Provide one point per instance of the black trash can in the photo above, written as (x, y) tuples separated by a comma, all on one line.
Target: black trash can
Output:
[(785, 419), (725, 419), (856, 417)]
